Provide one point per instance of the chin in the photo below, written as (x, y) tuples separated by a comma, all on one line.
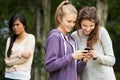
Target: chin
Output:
[(68, 31), (17, 33), (86, 34)]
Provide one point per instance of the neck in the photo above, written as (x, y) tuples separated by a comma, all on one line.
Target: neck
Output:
[(23, 35), (61, 30)]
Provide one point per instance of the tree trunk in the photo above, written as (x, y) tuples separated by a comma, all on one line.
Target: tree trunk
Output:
[(42, 26), (102, 11)]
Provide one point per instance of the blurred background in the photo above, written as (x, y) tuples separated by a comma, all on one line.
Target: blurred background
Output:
[(40, 18)]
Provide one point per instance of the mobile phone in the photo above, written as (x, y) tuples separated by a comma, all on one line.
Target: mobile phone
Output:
[(88, 49)]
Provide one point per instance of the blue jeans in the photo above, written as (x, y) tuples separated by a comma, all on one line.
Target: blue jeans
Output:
[(9, 79)]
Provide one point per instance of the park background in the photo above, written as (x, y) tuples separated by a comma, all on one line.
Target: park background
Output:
[(40, 18)]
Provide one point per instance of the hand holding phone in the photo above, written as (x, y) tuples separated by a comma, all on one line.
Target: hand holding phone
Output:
[(86, 59)]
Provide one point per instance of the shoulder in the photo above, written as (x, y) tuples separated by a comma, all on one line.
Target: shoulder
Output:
[(103, 30), (103, 33), (74, 33), (31, 37), (8, 39), (54, 33)]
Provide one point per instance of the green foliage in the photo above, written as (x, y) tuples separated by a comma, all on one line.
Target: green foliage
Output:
[(114, 12), (9, 7), (117, 73), (2, 54), (82, 3), (114, 16), (54, 4)]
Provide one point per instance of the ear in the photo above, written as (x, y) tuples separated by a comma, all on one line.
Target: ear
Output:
[(59, 18)]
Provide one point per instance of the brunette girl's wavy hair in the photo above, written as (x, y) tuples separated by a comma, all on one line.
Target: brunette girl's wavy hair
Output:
[(22, 19), (89, 13), (64, 8)]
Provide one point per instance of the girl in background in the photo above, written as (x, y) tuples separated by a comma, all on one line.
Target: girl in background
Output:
[(19, 50)]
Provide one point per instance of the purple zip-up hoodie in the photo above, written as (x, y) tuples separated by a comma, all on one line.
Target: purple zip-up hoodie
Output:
[(60, 66)]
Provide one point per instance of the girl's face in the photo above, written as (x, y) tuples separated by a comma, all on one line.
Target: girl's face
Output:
[(87, 26), (67, 22), (18, 27)]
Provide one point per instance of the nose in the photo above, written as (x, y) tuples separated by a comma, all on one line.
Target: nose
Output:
[(15, 26), (87, 28)]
